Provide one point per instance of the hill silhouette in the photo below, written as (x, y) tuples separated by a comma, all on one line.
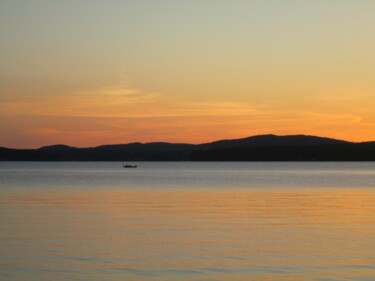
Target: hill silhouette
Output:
[(255, 148), (270, 140)]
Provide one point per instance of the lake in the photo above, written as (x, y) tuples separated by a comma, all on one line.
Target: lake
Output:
[(187, 221)]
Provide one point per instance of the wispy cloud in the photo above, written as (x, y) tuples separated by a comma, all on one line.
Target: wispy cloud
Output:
[(122, 100), (110, 101), (121, 113)]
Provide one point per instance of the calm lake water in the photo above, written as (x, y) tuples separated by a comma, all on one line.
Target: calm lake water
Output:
[(187, 221)]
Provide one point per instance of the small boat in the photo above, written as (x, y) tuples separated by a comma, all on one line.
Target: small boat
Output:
[(130, 166)]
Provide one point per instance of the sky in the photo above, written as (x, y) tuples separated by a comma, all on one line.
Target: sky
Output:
[(90, 72)]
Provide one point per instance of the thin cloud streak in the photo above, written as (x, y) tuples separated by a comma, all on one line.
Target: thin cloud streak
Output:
[(121, 114)]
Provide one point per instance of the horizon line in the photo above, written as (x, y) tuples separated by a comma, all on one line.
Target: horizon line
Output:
[(227, 139)]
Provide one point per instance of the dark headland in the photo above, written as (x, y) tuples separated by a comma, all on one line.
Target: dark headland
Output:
[(256, 148)]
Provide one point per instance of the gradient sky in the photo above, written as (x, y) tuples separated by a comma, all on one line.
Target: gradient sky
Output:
[(92, 72)]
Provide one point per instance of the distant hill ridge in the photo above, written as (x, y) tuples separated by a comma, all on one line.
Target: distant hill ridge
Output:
[(253, 141), (272, 140), (260, 145), (56, 147)]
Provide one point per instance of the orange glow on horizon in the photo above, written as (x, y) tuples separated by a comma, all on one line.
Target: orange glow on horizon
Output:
[(187, 72), (118, 114)]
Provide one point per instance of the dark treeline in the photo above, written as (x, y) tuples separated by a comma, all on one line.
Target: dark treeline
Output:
[(136, 152), (256, 148), (326, 152)]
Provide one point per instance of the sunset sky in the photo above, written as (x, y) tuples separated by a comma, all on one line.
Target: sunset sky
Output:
[(92, 72)]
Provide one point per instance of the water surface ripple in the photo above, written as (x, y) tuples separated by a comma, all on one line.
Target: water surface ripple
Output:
[(187, 221)]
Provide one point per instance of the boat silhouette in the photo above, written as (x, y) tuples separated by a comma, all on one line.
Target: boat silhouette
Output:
[(130, 166)]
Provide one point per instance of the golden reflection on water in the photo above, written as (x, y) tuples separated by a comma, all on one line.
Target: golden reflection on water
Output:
[(270, 234)]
